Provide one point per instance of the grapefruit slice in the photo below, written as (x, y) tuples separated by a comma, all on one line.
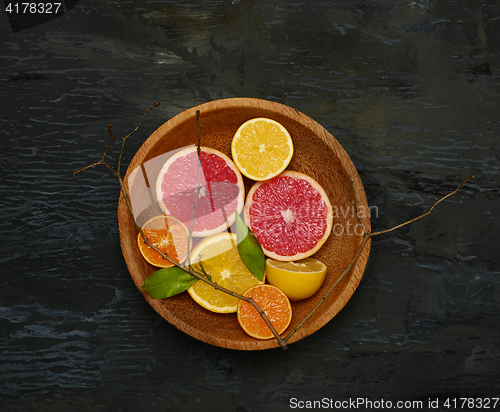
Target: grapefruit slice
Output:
[(221, 190), (290, 215)]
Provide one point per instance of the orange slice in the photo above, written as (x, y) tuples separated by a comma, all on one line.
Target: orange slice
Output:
[(261, 148), (169, 235), (275, 305)]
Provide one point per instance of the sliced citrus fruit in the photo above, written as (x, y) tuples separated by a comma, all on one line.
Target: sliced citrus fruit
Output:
[(221, 189), (261, 148), (169, 235), (298, 280), (290, 215), (218, 256), (273, 302)]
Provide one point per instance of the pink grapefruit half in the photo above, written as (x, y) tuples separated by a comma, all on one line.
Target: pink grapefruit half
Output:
[(290, 215), (221, 189)]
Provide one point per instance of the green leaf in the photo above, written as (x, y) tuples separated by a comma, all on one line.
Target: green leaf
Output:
[(250, 249), (167, 282)]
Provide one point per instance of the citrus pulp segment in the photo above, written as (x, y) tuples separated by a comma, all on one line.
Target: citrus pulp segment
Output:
[(273, 302), (290, 215), (261, 148), (220, 192), (218, 256), (298, 280), (169, 235)]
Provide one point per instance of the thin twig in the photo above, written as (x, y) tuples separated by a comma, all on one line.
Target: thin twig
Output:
[(426, 213), (189, 270), (325, 296), (246, 299), (366, 236), (102, 161), (198, 188), (130, 134), (281, 341)]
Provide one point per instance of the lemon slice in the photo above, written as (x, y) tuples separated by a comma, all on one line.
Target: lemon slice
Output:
[(298, 280), (261, 148), (218, 256)]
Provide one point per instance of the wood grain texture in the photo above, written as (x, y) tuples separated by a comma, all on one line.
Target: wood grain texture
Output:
[(410, 89)]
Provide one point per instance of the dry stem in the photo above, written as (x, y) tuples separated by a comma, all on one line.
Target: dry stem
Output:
[(367, 236), (282, 341), (189, 270), (426, 213), (198, 189)]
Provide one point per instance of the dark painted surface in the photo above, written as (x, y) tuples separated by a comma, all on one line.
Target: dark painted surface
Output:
[(410, 88)]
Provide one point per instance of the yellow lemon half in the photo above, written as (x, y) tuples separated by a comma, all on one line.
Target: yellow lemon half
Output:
[(298, 280), (218, 256), (261, 148)]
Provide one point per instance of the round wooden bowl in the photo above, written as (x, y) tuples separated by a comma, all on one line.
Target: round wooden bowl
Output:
[(316, 153)]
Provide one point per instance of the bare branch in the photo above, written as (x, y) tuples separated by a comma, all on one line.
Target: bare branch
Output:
[(426, 213), (282, 341), (358, 252), (130, 134), (189, 269), (330, 289), (103, 159), (198, 189)]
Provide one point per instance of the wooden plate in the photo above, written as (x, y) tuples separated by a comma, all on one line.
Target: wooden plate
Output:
[(316, 153)]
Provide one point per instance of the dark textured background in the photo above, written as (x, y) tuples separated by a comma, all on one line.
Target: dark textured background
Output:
[(410, 88)]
